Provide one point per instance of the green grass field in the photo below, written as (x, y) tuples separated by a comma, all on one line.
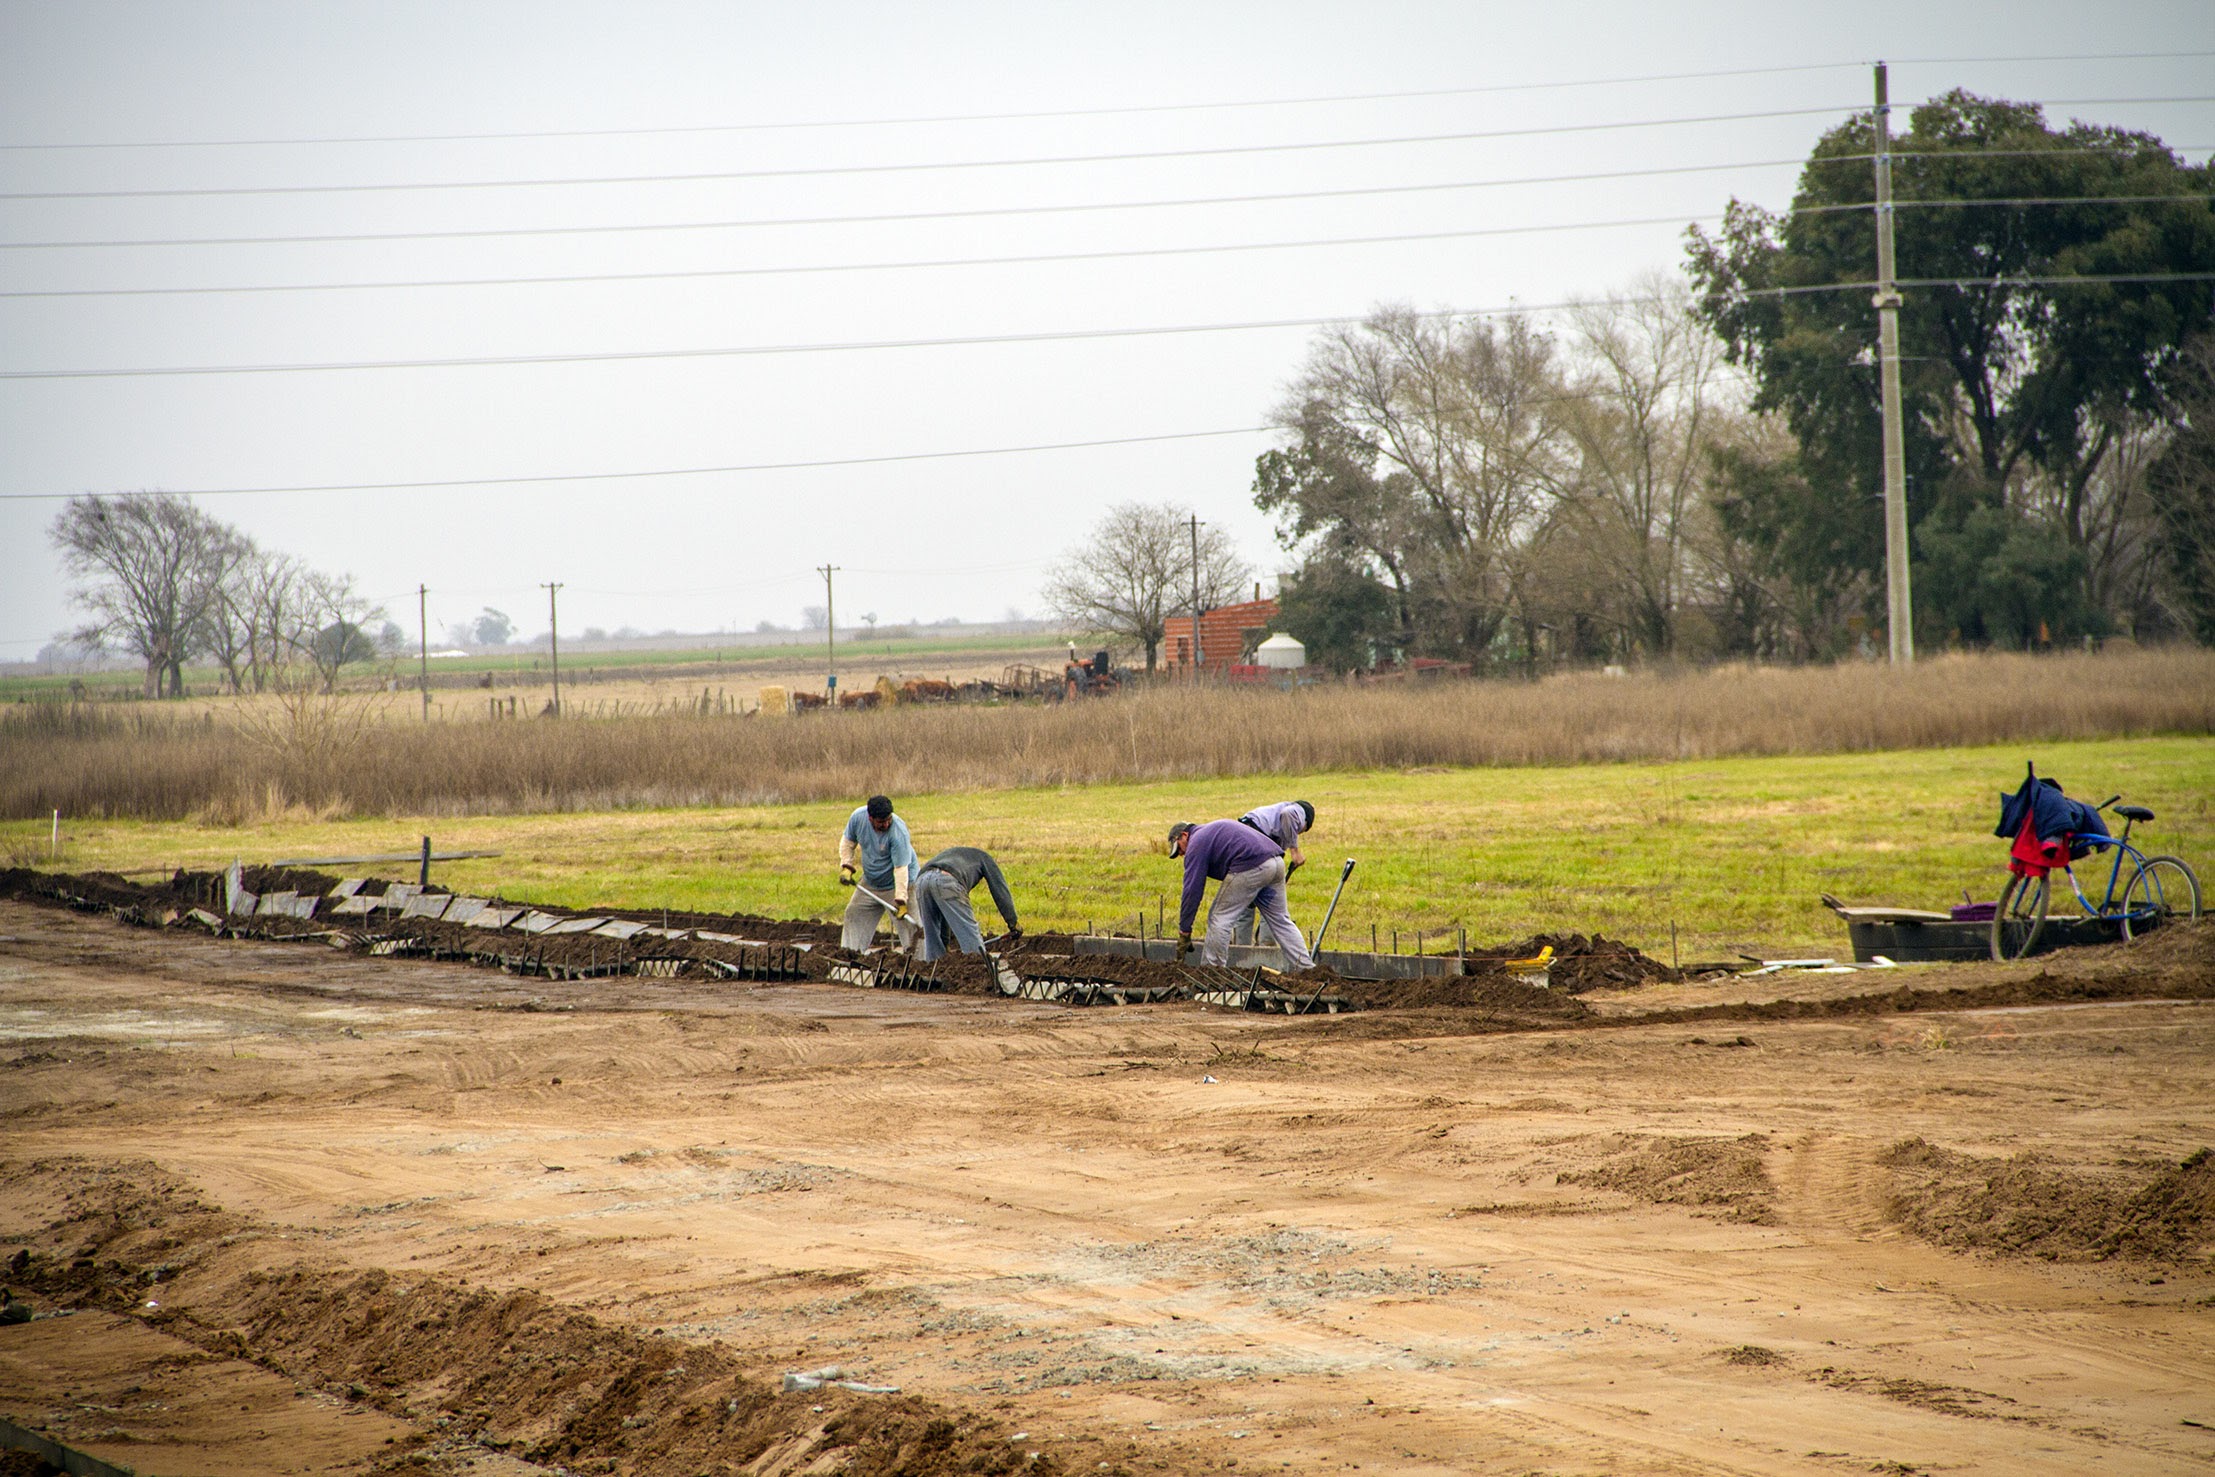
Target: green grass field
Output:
[(1732, 852)]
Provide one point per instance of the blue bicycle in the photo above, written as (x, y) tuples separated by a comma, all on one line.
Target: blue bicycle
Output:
[(2143, 892)]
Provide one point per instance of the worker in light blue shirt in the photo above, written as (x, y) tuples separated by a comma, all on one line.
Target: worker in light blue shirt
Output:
[(1283, 823), (876, 844)]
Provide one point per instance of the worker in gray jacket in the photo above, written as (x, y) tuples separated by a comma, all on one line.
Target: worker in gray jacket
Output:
[(942, 900), (1283, 823)]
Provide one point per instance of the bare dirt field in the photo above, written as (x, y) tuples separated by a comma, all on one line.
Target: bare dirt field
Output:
[(281, 1208)]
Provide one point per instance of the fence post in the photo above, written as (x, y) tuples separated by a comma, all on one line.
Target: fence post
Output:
[(425, 879)]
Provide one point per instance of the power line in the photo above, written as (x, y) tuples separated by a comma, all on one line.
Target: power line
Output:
[(2014, 201), (916, 215), (678, 130), (812, 268), (979, 340), (793, 466), (1036, 258), (817, 171), (849, 346), (2004, 280)]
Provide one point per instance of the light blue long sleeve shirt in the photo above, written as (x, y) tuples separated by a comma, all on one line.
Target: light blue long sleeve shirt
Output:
[(880, 852)]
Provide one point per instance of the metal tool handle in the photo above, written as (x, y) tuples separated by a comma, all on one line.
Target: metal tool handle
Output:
[(1317, 950), (1317, 946)]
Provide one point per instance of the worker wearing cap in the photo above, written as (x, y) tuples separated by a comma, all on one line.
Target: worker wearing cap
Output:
[(1283, 823), (942, 900), (876, 842), (1250, 867)]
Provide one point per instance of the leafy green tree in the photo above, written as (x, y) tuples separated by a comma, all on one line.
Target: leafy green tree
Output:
[(493, 628), (2019, 385), (1339, 611), (2180, 487)]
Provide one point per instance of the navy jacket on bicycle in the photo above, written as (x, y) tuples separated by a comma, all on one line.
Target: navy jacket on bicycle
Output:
[(2051, 814)]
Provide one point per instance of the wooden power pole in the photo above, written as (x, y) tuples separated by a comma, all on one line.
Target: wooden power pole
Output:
[(830, 633), (553, 637), (423, 650), (1899, 613)]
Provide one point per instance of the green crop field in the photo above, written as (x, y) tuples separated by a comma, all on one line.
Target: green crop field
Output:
[(857, 650), (1731, 852)]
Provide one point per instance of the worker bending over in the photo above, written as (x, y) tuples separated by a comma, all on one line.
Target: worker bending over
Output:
[(877, 842), (942, 900), (1283, 823), (1250, 867)]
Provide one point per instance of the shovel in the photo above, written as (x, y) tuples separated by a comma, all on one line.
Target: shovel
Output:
[(1317, 947), (906, 930)]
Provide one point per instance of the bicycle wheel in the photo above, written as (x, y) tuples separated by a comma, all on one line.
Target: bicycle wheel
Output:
[(2022, 912), (2163, 890)]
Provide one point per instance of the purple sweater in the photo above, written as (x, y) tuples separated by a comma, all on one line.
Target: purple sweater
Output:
[(1216, 850)]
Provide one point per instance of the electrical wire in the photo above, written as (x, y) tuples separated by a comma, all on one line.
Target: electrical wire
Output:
[(1126, 111), (1036, 258), (561, 477), (2007, 280), (1217, 151), (2021, 200), (978, 340), (990, 212), (848, 346), (813, 268)]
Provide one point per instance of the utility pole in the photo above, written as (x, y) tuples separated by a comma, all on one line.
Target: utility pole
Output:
[(830, 633), (1899, 614), (423, 651), (553, 636), (1196, 658)]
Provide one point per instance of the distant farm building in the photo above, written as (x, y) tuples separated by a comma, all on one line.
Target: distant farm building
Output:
[(1228, 634)]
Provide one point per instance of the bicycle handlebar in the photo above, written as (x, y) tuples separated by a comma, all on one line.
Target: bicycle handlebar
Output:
[(2110, 800)]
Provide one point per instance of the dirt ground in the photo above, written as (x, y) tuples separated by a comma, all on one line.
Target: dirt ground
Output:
[(276, 1207)]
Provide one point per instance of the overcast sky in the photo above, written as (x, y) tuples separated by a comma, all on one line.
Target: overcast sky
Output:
[(830, 274)]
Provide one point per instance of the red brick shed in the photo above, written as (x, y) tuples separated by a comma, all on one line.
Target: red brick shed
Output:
[(1227, 633)]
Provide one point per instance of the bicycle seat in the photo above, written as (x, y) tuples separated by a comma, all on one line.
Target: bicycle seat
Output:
[(2134, 812)]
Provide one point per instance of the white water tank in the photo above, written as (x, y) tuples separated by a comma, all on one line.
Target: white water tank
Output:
[(1281, 650)]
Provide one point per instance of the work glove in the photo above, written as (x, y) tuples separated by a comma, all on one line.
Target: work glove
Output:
[(846, 876), (1013, 935), (1184, 946), (900, 907)]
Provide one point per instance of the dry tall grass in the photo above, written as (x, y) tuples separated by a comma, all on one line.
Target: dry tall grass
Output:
[(90, 765)]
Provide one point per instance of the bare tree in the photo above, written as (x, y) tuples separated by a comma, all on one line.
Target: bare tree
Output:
[(152, 566), (1461, 419), (333, 628), (1135, 570), (1654, 394)]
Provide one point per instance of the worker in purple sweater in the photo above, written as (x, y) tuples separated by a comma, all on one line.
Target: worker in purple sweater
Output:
[(1250, 867)]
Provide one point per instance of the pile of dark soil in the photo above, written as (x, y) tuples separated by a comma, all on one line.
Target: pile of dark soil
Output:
[(1581, 963), (569, 1390), (2027, 1206), (1493, 997), (1724, 1177), (260, 880), (1119, 968)]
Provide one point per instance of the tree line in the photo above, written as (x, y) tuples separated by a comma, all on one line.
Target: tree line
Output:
[(164, 581), (1692, 468)]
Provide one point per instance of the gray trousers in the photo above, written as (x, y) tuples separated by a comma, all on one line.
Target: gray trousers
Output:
[(942, 910), (859, 928), (1260, 889)]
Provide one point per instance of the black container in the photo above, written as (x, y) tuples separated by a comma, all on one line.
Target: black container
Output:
[(1913, 941)]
